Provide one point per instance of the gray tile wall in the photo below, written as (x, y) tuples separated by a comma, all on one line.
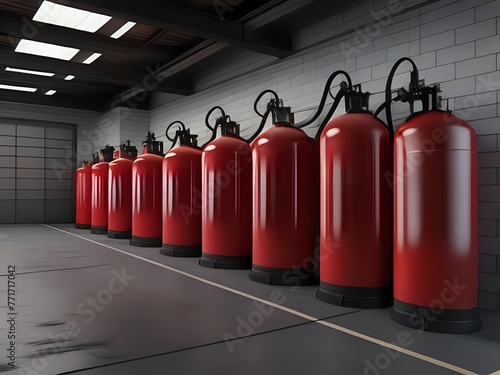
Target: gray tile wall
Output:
[(455, 43)]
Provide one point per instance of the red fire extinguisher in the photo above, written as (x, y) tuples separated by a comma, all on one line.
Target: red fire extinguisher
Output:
[(120, 192), (83, 195), (226, 197), (146, 194), (435, 215), (284, 184), (99, 215), (181, 235), (356, 206)]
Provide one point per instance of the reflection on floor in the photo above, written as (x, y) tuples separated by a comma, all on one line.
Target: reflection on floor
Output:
[(91, 305)]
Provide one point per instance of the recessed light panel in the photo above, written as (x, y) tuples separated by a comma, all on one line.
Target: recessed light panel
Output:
[(92, 58), (17, 88), (122, 30), (34, 72), (62, 15), (46, 49)]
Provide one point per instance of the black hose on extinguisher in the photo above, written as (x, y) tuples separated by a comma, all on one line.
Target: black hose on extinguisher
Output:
[(327, 91), (273, 104), (402, 93)]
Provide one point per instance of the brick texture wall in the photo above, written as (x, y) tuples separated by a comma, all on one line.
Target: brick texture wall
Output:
[(455, 43)]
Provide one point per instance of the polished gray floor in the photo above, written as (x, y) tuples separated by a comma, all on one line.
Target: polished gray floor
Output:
[(91, 305)]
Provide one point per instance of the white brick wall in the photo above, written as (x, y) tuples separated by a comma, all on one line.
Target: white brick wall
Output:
[(453, 42)]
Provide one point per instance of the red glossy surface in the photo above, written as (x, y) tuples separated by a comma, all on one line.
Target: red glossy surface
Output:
[(84, 195), (283, 198), (100, 195), (227, 197), (120, 195), (146, 196), (356, 202), (182, 196), (435, 212)]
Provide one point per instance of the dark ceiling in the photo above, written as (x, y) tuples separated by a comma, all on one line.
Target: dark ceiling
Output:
[(171, 41)]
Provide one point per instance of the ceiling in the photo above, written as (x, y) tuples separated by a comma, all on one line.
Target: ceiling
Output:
[(171, 41)]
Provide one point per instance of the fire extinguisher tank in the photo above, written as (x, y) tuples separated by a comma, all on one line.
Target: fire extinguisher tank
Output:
[(99, 220), (120, 192), (435, 239), (146, 195), (283, 206), (181, 234), (227, 202), (356, 212), (120, 199), (100, 198), (182, 201), (84, 196)]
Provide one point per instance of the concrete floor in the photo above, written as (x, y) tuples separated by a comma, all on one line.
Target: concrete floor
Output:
[(90, 305)]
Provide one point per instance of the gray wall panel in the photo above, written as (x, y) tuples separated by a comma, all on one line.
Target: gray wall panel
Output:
[(30, 142), (59, 133), (30, 131), (30, 194), (8, 172), (7, 141), (32, 152), (7, 212), (30, 184), (7, 151), (30, 211), (30, 173), (7, 128), (27, 162), (7, 194), (8, 161), (7, 183), (57, 211)]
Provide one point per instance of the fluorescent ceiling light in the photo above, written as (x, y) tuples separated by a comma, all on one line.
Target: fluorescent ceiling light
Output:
[(34, 72), (92, 58), (46, 49), (18, 88), (69, 78), (50, 92), (122, 30), (62, 15)]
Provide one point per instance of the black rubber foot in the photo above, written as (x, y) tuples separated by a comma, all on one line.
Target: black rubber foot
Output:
[(435, 319), (283, 276), (145, 241), (363, 298), (225, 262), (98, 230), (82, 226), (181, 251), (119, 235)]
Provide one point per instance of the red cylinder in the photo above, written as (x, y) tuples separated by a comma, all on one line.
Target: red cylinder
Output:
[(182, 202), (120, 199), (83, 183), (146, 201), (355, 212), (283, 207), (435, 239), (100, 198), (227, 203)]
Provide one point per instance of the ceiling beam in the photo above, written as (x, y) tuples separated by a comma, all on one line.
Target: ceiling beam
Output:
[(52, 83), (13, 26), (64, 101), (175, 66), (275, 13), (94, 73), (166, 16)]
